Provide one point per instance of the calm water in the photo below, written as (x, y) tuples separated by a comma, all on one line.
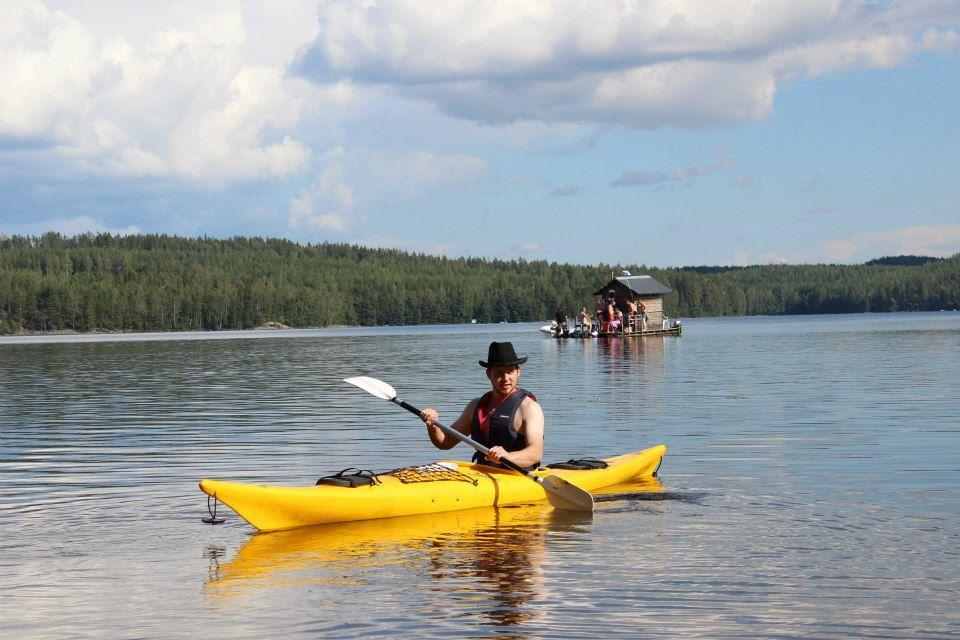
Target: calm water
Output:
[(811, 484)]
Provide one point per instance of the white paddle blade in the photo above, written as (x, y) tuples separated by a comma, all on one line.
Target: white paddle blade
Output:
[(373, 386), (563, 495)]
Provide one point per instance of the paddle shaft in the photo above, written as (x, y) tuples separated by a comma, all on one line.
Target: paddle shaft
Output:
[(470, 441)]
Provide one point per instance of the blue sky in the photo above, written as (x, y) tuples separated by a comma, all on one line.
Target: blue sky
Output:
[(658, 133)]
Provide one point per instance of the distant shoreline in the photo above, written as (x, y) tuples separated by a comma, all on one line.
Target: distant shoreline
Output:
[(267, 326), (284, 328)]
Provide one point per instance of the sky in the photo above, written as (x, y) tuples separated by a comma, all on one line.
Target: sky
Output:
[(661, 132)]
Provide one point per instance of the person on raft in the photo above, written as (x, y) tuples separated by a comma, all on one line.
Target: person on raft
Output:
[(506, 419), (585, 320), (561, 319)]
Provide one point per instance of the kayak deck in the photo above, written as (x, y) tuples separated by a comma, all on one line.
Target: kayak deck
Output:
[(272, 508)]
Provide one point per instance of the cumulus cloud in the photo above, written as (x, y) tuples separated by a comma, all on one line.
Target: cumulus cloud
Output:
[(924, 240), (640, 64), (941, 42), (771, 257), (407, 174), (210, 92), (66, 226), (413, 245), (327, 204), (154, 95), (348, 179)]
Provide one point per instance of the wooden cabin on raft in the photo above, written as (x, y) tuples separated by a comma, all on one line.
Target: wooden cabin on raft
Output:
[(640, 302), (641, 290)]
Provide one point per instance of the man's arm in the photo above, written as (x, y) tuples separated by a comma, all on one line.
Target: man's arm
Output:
[(440, 439), (531, 426)]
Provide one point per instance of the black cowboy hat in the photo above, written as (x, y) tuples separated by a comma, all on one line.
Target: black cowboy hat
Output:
[(501, 354)]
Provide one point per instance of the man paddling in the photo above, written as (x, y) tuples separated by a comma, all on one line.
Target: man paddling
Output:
[(507, 419)]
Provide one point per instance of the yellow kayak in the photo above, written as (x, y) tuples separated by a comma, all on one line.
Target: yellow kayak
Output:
[(444, 486)]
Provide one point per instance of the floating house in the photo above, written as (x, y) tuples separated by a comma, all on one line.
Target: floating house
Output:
[(643, 289), (640, 289), (627, 288)]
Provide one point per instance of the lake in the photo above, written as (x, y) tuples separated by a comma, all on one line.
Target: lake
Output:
[(811, 486)]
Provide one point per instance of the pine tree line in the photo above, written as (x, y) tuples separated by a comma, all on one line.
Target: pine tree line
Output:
[(167, 283)]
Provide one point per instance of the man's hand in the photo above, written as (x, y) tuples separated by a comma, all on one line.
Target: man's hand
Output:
[(429, 416), (497, 453)]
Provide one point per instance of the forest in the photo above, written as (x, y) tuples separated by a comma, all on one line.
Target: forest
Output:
[(104, 282)]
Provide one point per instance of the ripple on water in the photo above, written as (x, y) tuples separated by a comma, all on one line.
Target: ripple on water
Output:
[(809, 488)]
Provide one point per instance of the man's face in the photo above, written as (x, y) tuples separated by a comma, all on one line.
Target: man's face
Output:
[(504, 379)]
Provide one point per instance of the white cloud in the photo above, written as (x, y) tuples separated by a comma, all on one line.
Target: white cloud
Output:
[(632, 178), (686, 173), (442, 249), (924, 240), (406, 174), (408, 244), (206, 91), (941, 42), (66, 226), (524, 248), (348, 179), (771, 257), (644, 64), (838, 251), (327, 204), (155, 94)]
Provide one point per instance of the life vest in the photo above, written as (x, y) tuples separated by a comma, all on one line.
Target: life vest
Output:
[(501, 431)]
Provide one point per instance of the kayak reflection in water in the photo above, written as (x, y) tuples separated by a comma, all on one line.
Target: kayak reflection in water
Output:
[(506, 419), (484, 562)]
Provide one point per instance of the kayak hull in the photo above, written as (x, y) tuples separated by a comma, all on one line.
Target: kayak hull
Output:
[(273, 508)]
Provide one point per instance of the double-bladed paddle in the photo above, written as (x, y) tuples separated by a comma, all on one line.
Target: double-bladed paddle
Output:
[(560, 493)]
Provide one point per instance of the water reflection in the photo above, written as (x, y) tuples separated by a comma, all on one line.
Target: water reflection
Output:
[(634, 355), (491, 561), (806, 465), (620, 360)]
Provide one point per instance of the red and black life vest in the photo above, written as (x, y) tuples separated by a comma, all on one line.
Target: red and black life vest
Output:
[(501, 431)]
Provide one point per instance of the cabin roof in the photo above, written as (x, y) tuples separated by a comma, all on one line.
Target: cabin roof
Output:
[(640, 285)]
